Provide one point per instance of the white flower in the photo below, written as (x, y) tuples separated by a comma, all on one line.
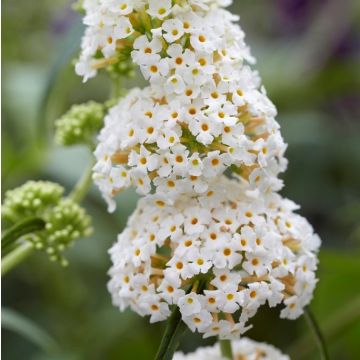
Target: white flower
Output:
[(223, 278), (188, 244), (199, 321), (195, 220), (203, 128), (256, 264), (232, 299), (189, 304), (195, 165), (173, 30), (175, 84), (158, 310), (159, 8), (179, 160), (293, 308), (146, 51), (169, 138), (180, 267), (144, 161), (141, 181), (228, 255), (201, 261), (155, 68), (215, 163)]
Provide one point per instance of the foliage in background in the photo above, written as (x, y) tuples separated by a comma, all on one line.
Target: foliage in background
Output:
[(309, 57)]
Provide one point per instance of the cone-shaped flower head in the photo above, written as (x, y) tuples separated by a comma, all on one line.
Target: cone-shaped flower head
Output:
[(244, 349), (244, 251)]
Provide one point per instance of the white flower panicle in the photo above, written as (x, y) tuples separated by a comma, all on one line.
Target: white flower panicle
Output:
[(244, 349), (216, 248), (203, 112), (242, 252)]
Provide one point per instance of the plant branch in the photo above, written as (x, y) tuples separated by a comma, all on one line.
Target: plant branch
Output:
[(83, 185), (19, 229), (16, 256)]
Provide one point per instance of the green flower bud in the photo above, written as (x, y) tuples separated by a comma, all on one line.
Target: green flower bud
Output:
[(65, 223), (65, 220), (80, 124), (124, 68), (34, 198)]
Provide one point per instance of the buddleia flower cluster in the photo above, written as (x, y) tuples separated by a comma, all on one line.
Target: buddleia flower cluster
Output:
[(204, 111), (244, 349), (245, 251), (65, 221), (216, 248)]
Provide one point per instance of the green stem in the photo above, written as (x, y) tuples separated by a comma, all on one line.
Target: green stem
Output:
[(225, 348), (173, 332), (15, 257), (175, 328), (83, 185), (22, 228), (312, 323), (116, 88)]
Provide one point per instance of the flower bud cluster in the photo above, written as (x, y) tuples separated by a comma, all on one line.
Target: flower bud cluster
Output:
[(65, 221), (80, 124), (245, 250), (34, 198), (244, 349)]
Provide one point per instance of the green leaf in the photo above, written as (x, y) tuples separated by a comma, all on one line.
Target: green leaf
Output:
[(13, 321)]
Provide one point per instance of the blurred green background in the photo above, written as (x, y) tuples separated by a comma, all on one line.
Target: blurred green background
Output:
[(308, 54)]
